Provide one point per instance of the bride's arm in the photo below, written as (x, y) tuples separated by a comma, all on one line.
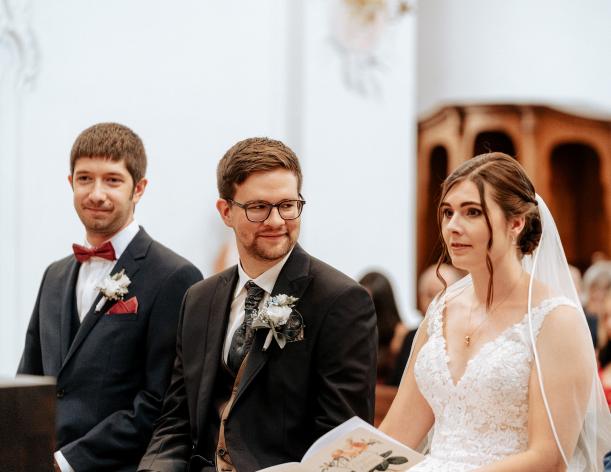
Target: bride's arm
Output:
[(565, 353), (410, 417)]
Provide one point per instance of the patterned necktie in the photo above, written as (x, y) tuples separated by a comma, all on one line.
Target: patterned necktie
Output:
[(242, 338)]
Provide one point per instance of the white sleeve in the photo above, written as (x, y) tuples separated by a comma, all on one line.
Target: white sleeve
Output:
[(62, 462)]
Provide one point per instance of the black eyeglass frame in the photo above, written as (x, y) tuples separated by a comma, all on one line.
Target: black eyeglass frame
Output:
[(270, 207)]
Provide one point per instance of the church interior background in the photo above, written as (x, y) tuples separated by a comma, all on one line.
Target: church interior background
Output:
[(379, 98)]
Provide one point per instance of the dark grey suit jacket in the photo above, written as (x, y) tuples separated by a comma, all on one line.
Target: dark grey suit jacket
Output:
[(287, 397), (111, 380)]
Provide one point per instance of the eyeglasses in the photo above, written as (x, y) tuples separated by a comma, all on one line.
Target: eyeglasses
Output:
[(256, 212)]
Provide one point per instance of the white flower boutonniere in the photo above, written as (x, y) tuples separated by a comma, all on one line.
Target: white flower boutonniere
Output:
[(113, 287), (284, 322)]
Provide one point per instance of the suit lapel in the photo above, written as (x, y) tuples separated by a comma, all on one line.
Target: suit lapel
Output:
[(216, 329), (130, 261), (293, 280), (67, 307)]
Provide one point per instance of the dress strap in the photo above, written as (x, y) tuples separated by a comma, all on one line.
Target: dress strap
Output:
[(544, 308), (434, 313)]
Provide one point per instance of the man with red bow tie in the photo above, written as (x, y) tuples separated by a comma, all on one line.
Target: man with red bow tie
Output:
[(105, 319)]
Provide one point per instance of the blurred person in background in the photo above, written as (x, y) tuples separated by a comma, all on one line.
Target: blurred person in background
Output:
[(591, 319), (394, 337), (577, 279), (604, 354), (429, 286), (391, 330), (596, 284), (604, 359)]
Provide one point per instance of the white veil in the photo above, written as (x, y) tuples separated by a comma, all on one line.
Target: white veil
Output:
[(583, 406), (549, 266)]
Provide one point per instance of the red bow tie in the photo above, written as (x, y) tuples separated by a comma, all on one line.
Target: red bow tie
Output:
[(83, 254)]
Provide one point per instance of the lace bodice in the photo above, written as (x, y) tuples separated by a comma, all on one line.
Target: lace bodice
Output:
[(483, 417)]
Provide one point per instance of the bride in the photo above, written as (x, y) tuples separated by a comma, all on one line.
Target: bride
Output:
[(502, 375)]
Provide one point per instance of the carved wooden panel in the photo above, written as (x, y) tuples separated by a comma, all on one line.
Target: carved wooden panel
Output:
[(568, 158)]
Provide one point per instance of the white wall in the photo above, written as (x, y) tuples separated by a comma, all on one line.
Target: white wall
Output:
[(360, 157), (546, 51), (192, 78), (190, 81)]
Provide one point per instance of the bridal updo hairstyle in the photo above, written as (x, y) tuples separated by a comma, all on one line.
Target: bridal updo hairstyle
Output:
[(510, 188)]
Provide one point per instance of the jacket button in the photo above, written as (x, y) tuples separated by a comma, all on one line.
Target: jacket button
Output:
[(60, 393), (221, 452)]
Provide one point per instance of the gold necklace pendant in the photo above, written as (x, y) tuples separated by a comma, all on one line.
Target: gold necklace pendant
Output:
[(489, 314)]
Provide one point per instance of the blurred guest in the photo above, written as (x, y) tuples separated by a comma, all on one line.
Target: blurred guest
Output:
[(394, 337), (604, 354), (596, 285), (577, 279), (429, 285), (391, 330), (591, 319), (598, 256)]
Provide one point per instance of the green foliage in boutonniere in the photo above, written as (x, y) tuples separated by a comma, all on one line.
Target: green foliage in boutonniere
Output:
[(285, 324)]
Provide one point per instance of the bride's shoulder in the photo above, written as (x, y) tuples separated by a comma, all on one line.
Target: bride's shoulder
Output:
[(560, 313), (553, 311)]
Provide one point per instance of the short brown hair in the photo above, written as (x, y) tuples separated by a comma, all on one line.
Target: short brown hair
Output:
[(510, 188), (254, 155), (111, 141)]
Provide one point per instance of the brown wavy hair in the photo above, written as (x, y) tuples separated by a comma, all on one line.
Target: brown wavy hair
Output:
[(254, 155), (111, 141), (510, 188)]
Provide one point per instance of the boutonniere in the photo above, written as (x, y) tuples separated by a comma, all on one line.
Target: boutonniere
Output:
[(113, 287), (284, 322)]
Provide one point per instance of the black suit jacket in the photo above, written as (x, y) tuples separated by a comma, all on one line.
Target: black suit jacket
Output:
[(112, 378), (287, 397)]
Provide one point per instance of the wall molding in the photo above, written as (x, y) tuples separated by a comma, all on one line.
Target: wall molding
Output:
[(19, 66)]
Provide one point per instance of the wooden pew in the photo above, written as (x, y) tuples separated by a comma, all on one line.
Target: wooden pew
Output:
[(27, 425), (385, 394)]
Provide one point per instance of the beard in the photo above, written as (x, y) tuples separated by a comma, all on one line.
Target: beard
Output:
[(108, 224), (267, 252)]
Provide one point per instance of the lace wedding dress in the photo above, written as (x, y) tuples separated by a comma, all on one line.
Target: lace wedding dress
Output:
[(483, 417)]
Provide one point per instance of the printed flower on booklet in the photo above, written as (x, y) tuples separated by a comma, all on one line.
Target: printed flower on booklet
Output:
[(285, 324), (113, 287), (381, 460)]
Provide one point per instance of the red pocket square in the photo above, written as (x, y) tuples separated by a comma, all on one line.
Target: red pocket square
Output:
[(122, 307)]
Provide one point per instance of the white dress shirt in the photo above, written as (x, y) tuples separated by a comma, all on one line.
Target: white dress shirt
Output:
[(266, 281), (91, 273)]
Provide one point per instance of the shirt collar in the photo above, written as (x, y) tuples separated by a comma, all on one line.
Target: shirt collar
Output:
[(266, 280), (121, 240)]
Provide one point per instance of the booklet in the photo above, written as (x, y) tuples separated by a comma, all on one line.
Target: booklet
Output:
[(353, 446)]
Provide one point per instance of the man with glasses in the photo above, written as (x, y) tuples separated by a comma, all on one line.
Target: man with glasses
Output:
[(271, 353)]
